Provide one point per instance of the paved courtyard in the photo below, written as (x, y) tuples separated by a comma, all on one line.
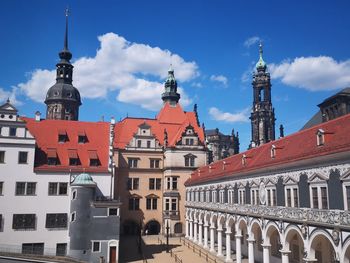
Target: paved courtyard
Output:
[(155, 251)]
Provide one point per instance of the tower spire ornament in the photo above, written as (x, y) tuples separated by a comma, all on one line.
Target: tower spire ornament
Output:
[(63, 99), (170, 94)]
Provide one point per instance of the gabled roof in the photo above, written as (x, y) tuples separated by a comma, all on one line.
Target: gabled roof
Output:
[(171, 118), (7, 107), (46, 134), (299, 146)]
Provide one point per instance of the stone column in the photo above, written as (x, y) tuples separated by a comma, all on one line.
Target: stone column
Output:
[(191, 229), (200, 233), (238, 249), (219, 242), (205, 235), (285, 256), (251, 250), (266, 253), (195, 231), (187, 228), (212, 240), (228, 246)]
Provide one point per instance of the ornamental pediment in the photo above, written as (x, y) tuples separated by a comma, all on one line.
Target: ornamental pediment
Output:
[(290, 180), (345, 176), (317, 177)]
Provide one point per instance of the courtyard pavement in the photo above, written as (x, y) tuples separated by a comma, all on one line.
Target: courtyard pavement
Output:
[(154, 250)]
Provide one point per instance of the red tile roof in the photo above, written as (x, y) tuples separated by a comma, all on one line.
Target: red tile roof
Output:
[(170, 118), (295, 147), (46, 134)]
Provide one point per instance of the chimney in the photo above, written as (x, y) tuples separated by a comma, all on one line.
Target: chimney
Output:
[(37, 116), (281, 131)]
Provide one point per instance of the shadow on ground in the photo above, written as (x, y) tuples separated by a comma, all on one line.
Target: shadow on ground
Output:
[(130, 252)]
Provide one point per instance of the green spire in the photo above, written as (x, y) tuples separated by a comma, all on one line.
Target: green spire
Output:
[(261, 63)]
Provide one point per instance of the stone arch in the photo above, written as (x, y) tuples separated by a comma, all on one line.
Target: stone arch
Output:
[(255, 233), (201, 216), (321, 247), (152, 227), (221, 221), (294, 243), (273, 239), (345, 256), (213, 219), (230, 221), (207, 217)]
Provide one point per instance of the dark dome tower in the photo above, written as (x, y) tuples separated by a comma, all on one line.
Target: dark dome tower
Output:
[(263, 114), (63, 99)]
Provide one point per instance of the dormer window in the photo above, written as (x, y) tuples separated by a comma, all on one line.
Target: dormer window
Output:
[(189, 141), (62, 136), (320, 137), (94, 161), (52, 158), (190, 160), (273, 151), (82, 137), (73, 158), (244, 160)]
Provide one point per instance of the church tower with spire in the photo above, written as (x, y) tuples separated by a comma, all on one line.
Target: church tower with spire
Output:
[(263, 114), (63, 99), (170, 94)]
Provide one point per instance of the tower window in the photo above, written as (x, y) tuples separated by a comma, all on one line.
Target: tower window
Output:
[(13, 131)]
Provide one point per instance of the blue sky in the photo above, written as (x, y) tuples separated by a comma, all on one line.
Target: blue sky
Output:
[(122, 50)]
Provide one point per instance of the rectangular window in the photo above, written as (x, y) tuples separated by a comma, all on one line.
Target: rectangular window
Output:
[(324, 198), (289, 198), (296, 199), (173, 204), (33, 248), (139, 143), (189, 161), (58, 188), (151, 183), (154, 163), (314, 197), (22, 157), (2, 156), (134, 203), (61, 249), (133, 183), (158, 183), (74, 161), (13, 131), (72, 216), (174, 183), (96, 246), (274, 201), (113, 211), (148, 144), (25, 188), (151, 203), (23, 221), (82, 139), (348, 195), (168, 183), (167, 204), (132, 162), (56, 220), (1, 189)]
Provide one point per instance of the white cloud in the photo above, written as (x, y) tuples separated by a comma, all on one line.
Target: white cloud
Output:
[(197, 85), (119, 65), (251, 41), (219, 78), (218, 115), (5, 94), (313, 73)]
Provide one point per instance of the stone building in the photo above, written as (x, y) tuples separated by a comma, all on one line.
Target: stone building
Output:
[(220, 145), (263, 114), (153, 159), (333, 107), (284, 201)]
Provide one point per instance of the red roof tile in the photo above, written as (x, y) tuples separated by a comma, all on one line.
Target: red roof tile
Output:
[(171, 118), (295, 147), (46, 134)]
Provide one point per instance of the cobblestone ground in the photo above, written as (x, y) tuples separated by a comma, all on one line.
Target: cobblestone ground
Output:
[(154, 251)]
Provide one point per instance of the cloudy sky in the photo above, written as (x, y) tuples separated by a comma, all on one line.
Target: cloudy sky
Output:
[(122, 51)]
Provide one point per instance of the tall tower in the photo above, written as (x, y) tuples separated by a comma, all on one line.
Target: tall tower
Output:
[(63, 99), (170, 94), (263, 114)]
